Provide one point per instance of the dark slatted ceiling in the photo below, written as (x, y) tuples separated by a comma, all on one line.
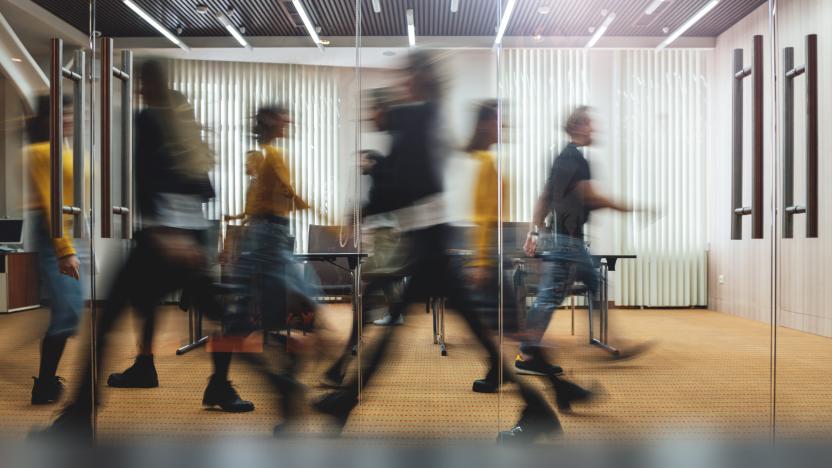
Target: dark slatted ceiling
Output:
[(433, 17)]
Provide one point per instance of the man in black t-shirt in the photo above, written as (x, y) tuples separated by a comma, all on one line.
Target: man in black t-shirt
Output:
[(570, 194)]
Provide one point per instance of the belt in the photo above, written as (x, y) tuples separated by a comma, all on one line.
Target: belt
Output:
[(273, 219)]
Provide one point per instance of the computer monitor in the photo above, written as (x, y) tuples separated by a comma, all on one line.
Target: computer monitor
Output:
[(11, 231)]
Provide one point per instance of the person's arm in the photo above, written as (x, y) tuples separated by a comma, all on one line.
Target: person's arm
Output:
[(597, 200), (68, 263)]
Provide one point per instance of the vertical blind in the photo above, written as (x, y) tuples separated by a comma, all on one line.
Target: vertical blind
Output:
[(539, 86), (226, 95), (663, 106)]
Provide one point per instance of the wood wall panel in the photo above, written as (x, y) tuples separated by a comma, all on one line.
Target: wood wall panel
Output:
[(803, 277), (744, 265), (22, 277)]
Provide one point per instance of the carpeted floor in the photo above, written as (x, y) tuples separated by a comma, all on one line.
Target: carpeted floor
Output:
[(707, 376)]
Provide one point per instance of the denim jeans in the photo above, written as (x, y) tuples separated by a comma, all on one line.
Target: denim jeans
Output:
[(65, 293), (565, 263), (274, 279)]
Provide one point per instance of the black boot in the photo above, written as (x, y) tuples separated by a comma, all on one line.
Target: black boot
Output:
[(337, 404), (567, 393), (533, 423), (47, 390), (142, 374), (221, 393), (73, 423), (490, 384)]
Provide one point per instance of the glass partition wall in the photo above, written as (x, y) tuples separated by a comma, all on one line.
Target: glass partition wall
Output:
[(661, 310), (803, 324), (430, 220)]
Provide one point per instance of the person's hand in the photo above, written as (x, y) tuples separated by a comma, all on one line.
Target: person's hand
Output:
[(228, 218), (70, 266), (530, 246)]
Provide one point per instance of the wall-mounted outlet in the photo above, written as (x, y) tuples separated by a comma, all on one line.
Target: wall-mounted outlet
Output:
[(721, 279)]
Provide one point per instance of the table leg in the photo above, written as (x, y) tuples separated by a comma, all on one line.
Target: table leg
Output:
[(604, 314), (194, 331)]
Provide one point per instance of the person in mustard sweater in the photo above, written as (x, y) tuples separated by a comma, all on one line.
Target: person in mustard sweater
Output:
[(254, 159), (58, 262), (266, 268)]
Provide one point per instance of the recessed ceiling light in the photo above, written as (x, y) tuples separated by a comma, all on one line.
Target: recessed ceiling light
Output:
[(15, 59), (544, 10), (179, 30), (202, 9), (665, 30)]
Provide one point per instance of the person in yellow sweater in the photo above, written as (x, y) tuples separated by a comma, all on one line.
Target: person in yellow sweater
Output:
[(254, 159), (59, 267), (486, 212), (266, 267)]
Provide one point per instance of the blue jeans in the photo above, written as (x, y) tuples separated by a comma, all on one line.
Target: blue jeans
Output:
[(267, 267), (64, 291), (566, 263)]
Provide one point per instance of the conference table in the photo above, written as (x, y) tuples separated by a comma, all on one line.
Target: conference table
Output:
[(354, 260)]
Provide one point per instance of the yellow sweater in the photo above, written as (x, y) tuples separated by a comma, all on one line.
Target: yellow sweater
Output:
[(272, 193), (37, 162), (486, 211)]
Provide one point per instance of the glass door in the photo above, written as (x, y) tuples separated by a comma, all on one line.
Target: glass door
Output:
[(803, 324), (46, 262)]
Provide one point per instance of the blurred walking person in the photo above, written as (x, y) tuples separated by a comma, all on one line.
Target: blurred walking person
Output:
[(58, 264), (416, 160), (172, 183)]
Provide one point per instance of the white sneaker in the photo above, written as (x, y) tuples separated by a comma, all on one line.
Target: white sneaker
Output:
[(388, 321)]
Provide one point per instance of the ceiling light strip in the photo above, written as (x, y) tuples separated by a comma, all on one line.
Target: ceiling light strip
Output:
[(600, 31), (454, 6), (688, 24), (651, 8), (411, 28), (377, 6), (501, 30), (308, 23), (151, 21), (229, 26)]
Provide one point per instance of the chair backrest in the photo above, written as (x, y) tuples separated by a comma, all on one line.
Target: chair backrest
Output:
[(514, 236)]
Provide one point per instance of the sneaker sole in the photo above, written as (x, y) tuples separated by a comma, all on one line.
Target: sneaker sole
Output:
[(117, 385), (216, 405), (531, 372)]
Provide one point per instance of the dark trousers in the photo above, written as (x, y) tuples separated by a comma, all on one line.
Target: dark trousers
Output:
[(144, 280), (432, 275)]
